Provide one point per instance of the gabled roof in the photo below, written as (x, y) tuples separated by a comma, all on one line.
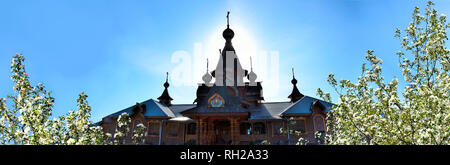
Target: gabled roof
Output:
[(231, 103), (178, 108), (268, 111), (128, 110), (157, 109), (153, 109), (206, 109), (263, 111), (303, 106)]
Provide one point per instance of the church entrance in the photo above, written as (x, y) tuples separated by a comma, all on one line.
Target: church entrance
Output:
[(222, 132)]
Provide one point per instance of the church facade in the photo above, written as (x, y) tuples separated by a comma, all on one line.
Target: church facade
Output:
[(230, 111)]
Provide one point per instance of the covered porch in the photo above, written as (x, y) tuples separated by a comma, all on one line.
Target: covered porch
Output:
[(219, 129)]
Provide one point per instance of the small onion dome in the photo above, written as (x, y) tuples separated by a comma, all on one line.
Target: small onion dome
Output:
[(166, 84), (252, 77), (165, 97), (207, 78), (228, 34), (295, 94), (294, 81)]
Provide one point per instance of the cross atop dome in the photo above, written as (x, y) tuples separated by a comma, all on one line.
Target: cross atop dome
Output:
[(295, 94), (165, 97), (228, 19), (228, 34)]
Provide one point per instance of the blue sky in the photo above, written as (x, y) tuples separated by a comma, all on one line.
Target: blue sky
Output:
[(118, 51)]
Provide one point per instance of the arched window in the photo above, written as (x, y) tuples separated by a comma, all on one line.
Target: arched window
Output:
[(259, 128), (191, 128), (318, 123), (246, 128)]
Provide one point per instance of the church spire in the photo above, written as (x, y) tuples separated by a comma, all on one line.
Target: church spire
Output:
[(295, 94), (165, 97), (228, 71)]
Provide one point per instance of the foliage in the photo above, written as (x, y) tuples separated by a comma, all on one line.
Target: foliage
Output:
[(122, 129), (28, 120), (291, 122), (320, 137), (265, 142), (302, 141), (369, 111), (373, 112), (139, 134)]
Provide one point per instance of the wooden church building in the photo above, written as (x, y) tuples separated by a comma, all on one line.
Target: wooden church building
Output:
[(229, 111)]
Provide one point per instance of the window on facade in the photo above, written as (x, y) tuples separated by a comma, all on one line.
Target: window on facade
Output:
[(246, 128), (298, 126), (319, 125), (173, 129), (277, 128), (191, 128), (153, 128), (259, 128)]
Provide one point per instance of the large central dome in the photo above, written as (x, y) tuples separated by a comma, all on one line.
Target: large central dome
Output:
[(228, 34)]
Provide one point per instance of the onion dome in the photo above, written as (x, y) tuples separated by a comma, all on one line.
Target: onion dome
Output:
[(252, 75), (165, 97), (166, 84), (295, 94), (228, 34), (207, 77), (294, 81)]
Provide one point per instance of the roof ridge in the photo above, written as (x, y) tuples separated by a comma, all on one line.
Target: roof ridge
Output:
[(304, 99), (183, 104), (320, 100), (276, 102), (132, 106), (161, 106), (294, 103)]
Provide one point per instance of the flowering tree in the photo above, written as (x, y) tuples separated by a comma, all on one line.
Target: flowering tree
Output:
[(139, 134), (370, 111), (28, 120), (122, 129)]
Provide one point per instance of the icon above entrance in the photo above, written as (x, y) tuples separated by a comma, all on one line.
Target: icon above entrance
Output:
[(216, 101)]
